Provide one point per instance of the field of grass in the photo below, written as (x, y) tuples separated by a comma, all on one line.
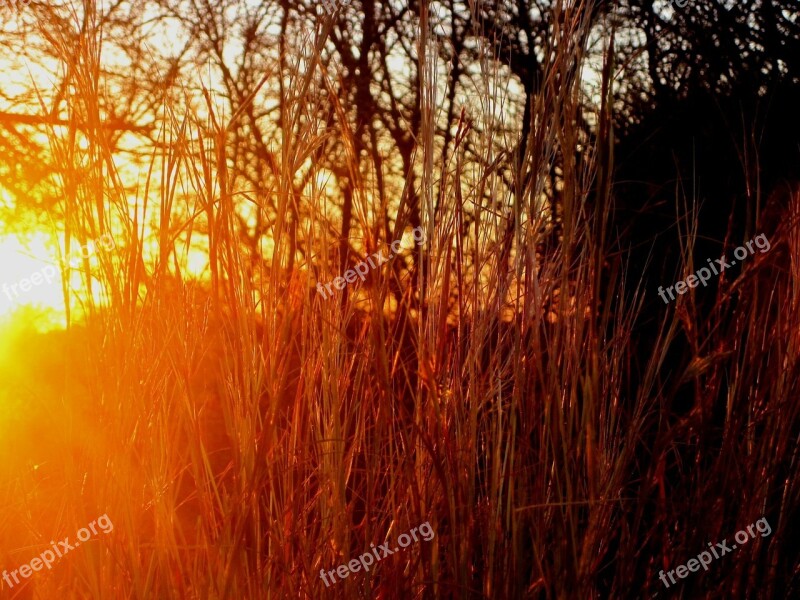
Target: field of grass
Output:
[(563, 432)]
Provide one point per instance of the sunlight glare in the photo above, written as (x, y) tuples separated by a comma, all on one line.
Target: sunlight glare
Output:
[(21, 267)]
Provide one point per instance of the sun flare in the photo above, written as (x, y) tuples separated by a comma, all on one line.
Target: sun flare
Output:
[(29, 275)]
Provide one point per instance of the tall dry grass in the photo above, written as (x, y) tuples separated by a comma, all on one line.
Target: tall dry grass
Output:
[(242, 433)]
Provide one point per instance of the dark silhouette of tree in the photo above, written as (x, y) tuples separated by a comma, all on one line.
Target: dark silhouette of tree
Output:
[(710, 122)]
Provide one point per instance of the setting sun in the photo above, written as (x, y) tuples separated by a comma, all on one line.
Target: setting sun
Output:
[(19, 263)]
